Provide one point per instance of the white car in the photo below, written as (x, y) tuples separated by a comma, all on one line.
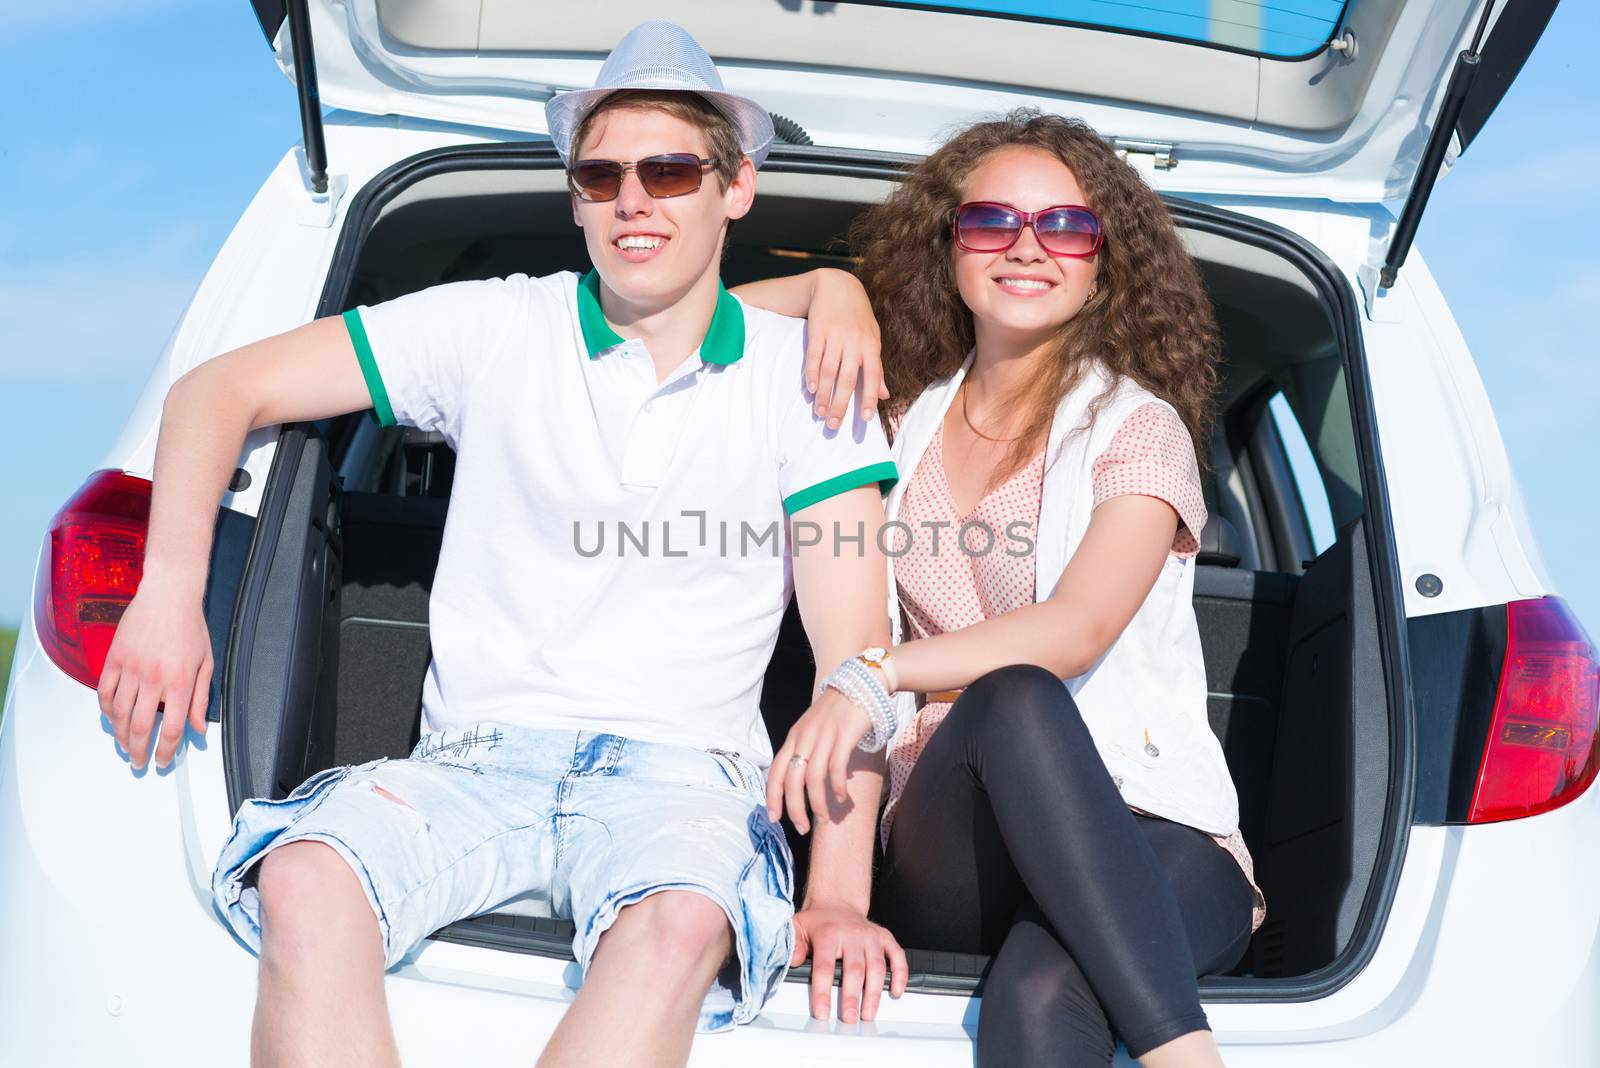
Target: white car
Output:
[(1408, 709)]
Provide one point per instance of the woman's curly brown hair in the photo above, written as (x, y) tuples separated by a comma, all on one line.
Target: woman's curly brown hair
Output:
[(1149, 320)]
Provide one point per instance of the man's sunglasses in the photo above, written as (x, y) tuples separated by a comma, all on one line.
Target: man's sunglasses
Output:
[(1064, 230), (675, 174)]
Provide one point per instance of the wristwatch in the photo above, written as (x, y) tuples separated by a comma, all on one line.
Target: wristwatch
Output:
[(879, 657)]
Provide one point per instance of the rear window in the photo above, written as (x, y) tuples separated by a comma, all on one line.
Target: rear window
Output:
[(1274, 28)]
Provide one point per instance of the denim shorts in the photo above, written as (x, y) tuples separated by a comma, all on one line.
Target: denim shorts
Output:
[(575, 823)]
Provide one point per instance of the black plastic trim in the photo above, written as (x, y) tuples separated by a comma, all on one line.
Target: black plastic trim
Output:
[(257, 570), (1340, 302), (1458, 658), (270, 15), (230, 552), (1519, 28), (928, 971)]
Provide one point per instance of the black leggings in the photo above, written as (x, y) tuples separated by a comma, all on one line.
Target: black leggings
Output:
[(1011, 840)]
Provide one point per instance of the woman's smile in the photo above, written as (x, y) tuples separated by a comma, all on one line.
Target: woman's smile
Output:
[(1024, 285)]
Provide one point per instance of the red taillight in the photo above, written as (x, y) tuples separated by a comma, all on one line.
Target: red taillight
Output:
[(90, 571), (1541, 752)]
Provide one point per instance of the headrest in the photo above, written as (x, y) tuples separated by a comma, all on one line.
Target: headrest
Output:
[(1219, 543)]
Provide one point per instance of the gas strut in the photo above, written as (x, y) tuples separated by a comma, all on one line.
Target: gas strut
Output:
[(1455, 95), (305, 81)]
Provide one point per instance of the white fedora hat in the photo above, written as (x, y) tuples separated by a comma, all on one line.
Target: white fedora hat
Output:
[(660, 55)]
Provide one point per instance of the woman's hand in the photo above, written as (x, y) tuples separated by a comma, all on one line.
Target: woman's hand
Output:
[(825, 736), (829, 933), (160, 655), (841, 339)]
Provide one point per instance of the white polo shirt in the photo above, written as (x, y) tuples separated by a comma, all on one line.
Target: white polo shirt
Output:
[(616, 555)]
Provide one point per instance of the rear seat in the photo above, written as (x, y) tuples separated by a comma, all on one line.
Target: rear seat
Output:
[(1244, 630)]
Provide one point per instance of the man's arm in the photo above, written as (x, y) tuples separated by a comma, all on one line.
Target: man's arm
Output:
[(161, 653), (841, 586), (309, 372)]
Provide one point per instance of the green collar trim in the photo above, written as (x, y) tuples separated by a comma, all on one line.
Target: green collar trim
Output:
[(597, 333), (723, 343)]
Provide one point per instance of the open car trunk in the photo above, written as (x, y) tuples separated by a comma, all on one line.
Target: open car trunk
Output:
[(330, 643)]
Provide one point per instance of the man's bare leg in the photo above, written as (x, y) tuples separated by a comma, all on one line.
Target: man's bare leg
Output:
[(646, 982), (320, 998)]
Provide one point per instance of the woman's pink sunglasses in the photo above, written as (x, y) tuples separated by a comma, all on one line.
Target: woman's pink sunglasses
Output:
[(1064, 230)]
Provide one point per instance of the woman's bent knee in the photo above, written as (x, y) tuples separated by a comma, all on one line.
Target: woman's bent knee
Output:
[(1026, 682), (1021, 704)]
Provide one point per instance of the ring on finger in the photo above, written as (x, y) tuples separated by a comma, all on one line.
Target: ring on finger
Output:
[(798, 762)]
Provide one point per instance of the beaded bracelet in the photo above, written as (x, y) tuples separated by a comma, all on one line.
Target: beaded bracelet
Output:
[(857, 682), (860, 687), (885, 721)]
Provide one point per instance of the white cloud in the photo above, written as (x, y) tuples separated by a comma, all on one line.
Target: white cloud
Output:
[(83, 318), (91, 167), (1540, 363), (21, 16), (1539, 360)]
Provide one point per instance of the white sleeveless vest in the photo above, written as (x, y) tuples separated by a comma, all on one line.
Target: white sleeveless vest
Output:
[(1144, 700)]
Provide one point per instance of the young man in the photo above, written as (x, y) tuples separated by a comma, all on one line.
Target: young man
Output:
[(591, 730)]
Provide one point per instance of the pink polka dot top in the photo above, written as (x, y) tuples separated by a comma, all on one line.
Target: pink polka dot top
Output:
[(953, 570)]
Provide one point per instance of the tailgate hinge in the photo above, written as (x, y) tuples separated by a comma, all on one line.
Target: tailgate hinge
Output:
[(1160, 152)]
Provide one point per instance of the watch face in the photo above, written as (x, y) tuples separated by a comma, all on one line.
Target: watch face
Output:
[(875, 654)]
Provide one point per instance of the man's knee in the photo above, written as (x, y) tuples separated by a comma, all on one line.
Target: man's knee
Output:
[(310, 902), (674, 927)]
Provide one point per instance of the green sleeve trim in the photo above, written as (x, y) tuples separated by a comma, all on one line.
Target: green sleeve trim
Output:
[(885, 474), (381, 409)]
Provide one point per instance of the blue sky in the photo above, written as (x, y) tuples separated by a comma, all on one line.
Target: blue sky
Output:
[(135, 134)]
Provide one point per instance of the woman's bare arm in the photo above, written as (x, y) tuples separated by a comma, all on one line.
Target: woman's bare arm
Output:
[(1102, 586), (841, 336)]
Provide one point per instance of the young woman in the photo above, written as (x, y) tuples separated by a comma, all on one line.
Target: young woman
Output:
[(1058, 800)]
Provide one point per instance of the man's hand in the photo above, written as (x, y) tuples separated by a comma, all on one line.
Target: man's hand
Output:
[(825, 736), (160, 655), (842, 338), (828, 933)]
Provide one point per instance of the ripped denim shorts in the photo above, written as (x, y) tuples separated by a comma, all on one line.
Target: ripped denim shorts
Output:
[(582, 823)]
